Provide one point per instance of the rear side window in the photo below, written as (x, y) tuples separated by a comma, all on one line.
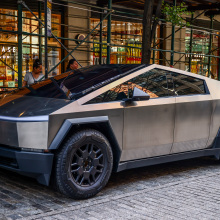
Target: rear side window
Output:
[(187, 85)]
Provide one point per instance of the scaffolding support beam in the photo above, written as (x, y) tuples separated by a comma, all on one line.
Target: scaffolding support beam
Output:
[(84, 40), (109, 33), (44, 25), (45, 40), (154, 50), (40, 32), (100, 39), (190, 46), (172, 40), (20, 56), (210, 45)]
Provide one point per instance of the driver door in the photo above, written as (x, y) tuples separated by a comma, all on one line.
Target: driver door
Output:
[(149, 125)]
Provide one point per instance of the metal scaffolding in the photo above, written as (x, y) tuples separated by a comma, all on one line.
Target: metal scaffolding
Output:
[(107, 15)]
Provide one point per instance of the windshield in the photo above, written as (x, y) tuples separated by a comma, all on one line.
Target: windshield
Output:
[(73, 85), (88, 79)]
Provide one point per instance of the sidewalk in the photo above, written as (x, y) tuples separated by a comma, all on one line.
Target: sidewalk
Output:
[(181, 190)]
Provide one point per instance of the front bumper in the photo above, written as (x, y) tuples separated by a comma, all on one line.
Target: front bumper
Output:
[(33, 164)]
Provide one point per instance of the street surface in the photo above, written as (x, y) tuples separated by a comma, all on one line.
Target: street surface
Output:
[(188, 189)]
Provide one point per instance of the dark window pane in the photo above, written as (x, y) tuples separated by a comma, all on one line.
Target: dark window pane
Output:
[(187, 85), (153, 82), (157, 83), (118, 93)]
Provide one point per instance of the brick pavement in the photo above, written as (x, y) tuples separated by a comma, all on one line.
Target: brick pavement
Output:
[(180, 190)]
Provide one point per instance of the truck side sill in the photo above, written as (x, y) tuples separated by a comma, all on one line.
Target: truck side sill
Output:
[(168, 158)]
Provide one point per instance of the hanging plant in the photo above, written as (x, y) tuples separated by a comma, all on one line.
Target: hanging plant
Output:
[(175, 14)]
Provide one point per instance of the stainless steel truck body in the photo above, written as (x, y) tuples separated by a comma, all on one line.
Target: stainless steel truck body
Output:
[(76, 128)]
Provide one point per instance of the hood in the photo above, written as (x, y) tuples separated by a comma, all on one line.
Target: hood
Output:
[(38, 99), (12, 105)]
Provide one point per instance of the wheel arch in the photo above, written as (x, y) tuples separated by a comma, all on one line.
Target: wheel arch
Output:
[(101, 124)]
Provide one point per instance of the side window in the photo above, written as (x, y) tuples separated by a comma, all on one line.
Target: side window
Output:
[(118, 93), (153, 82), (157, 83), (187, 85)]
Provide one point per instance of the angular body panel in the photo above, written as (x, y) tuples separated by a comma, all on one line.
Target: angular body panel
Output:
[(113, 111), (192, 123), (148, 128), (32, 134)]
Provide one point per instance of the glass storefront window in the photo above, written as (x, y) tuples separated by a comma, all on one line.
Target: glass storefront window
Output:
[(126, 40), (123, 34), (200, 48), (30, 47)]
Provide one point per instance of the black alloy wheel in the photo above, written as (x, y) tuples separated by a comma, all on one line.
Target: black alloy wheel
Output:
[(87, 165), (84, 164)]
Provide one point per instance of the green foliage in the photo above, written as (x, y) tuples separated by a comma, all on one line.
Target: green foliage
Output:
[(174, 14)]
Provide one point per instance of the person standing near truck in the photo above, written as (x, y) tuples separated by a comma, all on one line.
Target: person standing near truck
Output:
[(72, 65), (35, 76)]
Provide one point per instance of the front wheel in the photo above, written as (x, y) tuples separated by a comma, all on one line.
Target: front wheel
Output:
[(84, 164)]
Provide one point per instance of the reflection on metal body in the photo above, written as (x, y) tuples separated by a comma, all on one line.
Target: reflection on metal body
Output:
[(32, 134), (192, 122), (148, 128)]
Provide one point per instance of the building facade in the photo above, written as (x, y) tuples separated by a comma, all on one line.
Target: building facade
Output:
[(196, 47)]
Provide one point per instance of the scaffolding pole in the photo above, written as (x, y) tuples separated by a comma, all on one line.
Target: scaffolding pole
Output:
[(45, 26), (40, 32), (84, 40), (45, 40), (210, 46), (172, 40), (190, 46), (100, 39), (109, 33), (154, 50), (19, 44)]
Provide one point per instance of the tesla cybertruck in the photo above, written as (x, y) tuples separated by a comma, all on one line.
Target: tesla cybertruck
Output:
[(74, 129)]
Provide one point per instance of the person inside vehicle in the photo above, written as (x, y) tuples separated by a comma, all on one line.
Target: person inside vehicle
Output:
[(72, 65), (35, 76)]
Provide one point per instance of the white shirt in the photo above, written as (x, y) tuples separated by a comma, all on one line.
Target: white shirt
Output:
[(29, 78)]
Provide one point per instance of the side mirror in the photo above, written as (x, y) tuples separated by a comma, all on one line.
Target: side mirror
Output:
[(138, 95)]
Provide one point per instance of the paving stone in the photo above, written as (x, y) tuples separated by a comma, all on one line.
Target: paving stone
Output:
[(181, 190)]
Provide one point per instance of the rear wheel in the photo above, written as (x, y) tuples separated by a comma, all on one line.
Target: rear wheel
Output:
[(84, 164)]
